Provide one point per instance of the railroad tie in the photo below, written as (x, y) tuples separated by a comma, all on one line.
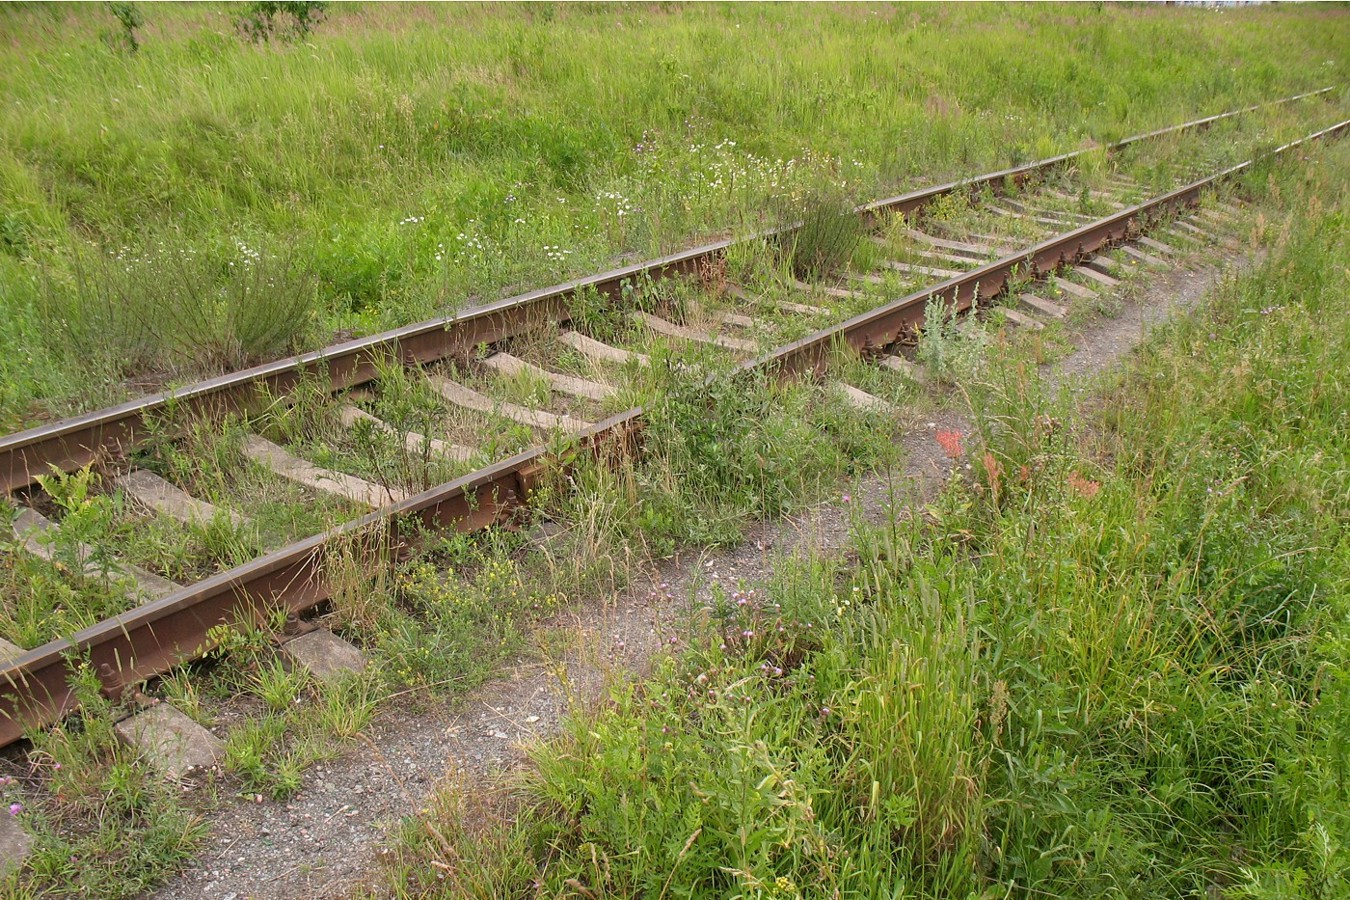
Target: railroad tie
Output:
[(1022, 319), (861, 400), (670, 329), (1150, 243), (293, 468), (1000, 247), (731, 318), (932, 271), (837, 293), (468, 398), (1212, 233), (324, 655), (1147, 259), (170, 741), (1200, 233), (1074, 218), (150, 491), (727, 318), (979, 251), (1076, 290), (597, 351), (563, 384), (9, 651), (1051, 217), (901, 365), (801, 309), (1105, 264), (1094, 275), (415, 443), (1043, 306), (1187, 241), (867, 278), (784, 305), (944, 257), (1108, 199), (1039, 220), (38, 536)]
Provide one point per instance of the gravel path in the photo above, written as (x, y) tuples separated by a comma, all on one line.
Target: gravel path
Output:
[(325, 841)]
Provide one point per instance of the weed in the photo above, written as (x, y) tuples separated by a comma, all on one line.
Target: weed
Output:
[(278, 686), (827, 234), (953, 348), (347, 706), (171, 310), (104, 824), (78, 543)]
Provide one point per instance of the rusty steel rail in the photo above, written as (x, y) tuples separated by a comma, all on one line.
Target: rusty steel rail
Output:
[(80, 440), (915, 200), (151, 639)]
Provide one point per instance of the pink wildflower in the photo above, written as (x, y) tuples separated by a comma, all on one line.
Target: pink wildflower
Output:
[(950, 442), (1084, 487)]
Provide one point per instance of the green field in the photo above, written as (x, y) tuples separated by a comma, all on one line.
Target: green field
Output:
[(206, 202)]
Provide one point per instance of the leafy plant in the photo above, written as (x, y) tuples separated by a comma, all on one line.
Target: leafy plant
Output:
[(262, 20), (129, 16), (953, 349), (80, 542)]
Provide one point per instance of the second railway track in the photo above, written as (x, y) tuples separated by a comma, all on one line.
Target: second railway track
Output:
[(490, 381)]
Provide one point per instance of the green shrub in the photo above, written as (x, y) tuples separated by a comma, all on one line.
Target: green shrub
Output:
[(262, 20), (128, 15)]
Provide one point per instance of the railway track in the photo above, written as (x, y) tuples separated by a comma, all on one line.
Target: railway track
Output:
[(452, 423)]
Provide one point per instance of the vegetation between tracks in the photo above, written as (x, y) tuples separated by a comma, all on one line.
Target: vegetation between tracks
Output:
[(1110, 660), (205, 200)]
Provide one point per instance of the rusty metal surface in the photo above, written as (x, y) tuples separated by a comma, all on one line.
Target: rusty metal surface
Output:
[(77, 441), (149, 640)]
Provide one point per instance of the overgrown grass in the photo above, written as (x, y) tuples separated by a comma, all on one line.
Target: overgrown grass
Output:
[(1110, 660), (721, 452), (346, 153), (418, 158)]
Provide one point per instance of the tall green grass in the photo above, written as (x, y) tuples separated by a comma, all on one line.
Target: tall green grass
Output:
[(417, 158), (1110, 660)]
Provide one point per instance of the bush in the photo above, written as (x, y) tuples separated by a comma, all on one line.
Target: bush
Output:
[(128, 15), (259, 22)]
